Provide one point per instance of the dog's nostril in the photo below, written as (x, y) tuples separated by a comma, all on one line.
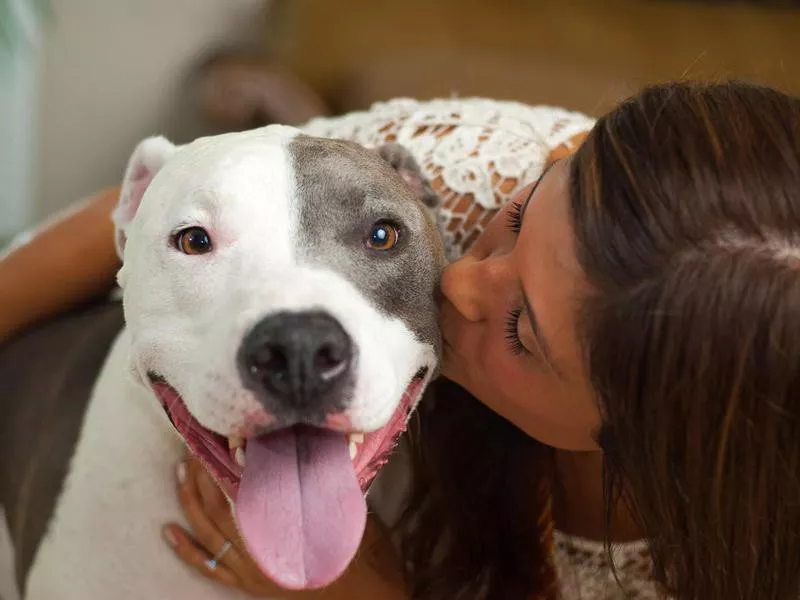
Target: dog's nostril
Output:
[(296, 357), (330, 361), (270, 359)]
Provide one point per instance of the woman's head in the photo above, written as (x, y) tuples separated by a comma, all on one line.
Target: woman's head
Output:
[(685, 204), (662, 264)]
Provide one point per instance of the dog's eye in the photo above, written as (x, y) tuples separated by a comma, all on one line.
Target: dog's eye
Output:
[(194, 240), (384, 236)]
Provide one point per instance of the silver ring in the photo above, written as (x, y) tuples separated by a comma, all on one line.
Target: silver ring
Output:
[(213, 562)]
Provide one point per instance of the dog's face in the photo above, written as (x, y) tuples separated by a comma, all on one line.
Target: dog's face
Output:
[(279, 291)]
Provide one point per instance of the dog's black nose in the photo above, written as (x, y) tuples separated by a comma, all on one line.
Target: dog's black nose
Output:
[(300, 359)]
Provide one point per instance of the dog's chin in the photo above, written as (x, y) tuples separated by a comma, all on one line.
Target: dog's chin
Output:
[(224, 457)]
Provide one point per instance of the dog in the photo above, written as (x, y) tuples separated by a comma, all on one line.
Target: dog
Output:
[(278, 317)]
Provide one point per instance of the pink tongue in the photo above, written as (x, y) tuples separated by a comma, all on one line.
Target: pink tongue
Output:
[(300, 509)]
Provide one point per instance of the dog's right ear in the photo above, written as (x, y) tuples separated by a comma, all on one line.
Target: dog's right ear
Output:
[(145, 162), (399, 157)]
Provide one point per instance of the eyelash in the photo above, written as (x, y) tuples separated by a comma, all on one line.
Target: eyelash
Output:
[(513, 342), (515, 217)]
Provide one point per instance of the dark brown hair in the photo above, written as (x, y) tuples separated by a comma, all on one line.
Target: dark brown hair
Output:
[(685, 203), (686, 211), (472, 530)]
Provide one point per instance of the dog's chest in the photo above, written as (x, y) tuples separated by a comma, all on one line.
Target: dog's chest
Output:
[(105, 539)]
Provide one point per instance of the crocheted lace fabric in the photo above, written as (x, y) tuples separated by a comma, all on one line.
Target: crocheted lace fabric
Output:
[(584, 571), (476, 153)]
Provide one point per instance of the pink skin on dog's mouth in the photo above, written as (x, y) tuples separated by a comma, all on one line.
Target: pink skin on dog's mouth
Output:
[(213, 450), (299, 496)]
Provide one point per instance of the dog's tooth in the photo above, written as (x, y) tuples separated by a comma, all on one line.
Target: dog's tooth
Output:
[(239, 456), (353, 450), (358, 438), (234, 441)]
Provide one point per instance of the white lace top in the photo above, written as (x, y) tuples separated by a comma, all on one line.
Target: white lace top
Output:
[(477, 154), (584, 571)]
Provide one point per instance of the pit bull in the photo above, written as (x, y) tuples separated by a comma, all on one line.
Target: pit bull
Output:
[(278, 318)]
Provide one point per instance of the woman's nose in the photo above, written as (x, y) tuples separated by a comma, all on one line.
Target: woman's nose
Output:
[(471, 285)]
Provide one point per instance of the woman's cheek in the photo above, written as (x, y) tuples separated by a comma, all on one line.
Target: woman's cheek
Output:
[(499, 364)]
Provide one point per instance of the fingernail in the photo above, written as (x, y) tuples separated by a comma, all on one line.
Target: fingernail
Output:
[(170, 537), (181, 471)]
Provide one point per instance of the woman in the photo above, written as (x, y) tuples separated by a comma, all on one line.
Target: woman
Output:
[(631, 327)]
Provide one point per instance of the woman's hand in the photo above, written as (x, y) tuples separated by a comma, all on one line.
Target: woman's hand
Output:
[(374, 572), (209, 515)]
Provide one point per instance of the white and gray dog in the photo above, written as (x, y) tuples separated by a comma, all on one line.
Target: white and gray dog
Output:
[(279, 296)]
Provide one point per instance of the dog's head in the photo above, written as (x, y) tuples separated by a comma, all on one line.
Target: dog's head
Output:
[(279, 291)]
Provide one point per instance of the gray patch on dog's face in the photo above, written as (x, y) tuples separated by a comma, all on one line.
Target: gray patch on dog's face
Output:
[(344, 190)]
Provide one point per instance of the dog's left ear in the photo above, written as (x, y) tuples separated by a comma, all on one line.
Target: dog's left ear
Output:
[(145, 162), (404, 163)]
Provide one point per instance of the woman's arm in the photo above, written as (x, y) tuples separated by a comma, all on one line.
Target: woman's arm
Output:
[(63, 264)]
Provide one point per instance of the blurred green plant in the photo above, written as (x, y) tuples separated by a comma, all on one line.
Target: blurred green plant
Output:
[(18, 20)]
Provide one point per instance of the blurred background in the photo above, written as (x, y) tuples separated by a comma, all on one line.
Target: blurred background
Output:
[(82, 81)]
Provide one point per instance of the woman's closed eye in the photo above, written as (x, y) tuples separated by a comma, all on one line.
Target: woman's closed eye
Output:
[(522, 334), (514, 217), (512, 337)]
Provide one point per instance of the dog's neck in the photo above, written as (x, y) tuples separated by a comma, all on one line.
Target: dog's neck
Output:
[(118, 495)]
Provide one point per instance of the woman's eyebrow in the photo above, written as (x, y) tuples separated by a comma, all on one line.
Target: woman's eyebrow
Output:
[(541, 340), (536, 329), (534, 188)]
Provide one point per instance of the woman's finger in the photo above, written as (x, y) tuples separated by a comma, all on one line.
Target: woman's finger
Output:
[(213, 501), (206, 532), (195, 557), (209, 514)]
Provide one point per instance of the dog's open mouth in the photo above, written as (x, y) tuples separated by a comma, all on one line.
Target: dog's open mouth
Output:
[(298, 492)]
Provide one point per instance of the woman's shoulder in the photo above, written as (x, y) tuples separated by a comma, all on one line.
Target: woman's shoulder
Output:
[(477, 153), (470, 132), (407, 120)]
